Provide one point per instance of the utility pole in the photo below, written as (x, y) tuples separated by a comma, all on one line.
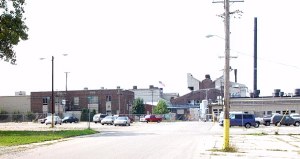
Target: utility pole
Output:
[(66, 81), (226, 76), (52, 94), (66, 93)]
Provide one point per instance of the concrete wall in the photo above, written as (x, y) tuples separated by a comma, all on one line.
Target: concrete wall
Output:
[(13, 104)]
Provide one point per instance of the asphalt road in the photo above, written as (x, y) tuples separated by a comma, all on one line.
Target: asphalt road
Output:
[(165, 140), (140, 140)]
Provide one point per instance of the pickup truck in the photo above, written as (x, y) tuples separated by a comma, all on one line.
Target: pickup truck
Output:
[(152, 118)]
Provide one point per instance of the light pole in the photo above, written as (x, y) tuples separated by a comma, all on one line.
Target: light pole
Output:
[(52, 90), (52, 94)]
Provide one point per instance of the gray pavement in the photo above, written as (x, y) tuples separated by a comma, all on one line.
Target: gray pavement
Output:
[(263, 142)]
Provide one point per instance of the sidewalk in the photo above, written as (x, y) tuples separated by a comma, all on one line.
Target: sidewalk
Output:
[(256, 143)]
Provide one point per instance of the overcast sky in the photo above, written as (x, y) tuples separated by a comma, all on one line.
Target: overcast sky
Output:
[(129, 43)]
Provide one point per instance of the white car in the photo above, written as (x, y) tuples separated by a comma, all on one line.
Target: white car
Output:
[(57, 120), (122, 120), (108, 120), (295, 116)]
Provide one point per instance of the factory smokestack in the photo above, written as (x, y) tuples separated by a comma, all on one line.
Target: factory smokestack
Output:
[(255, 91), (235, 75)]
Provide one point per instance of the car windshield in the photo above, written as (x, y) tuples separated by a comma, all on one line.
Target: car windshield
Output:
[(295, 115), (122, 118), (108, 117)]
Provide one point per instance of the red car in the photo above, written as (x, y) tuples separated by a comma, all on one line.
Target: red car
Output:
[(152, 118)]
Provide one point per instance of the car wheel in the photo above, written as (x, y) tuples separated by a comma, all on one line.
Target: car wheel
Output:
[(128, 124), (297, 123), (115, 125), (247, 125), (267, 123), (257, 124), (277, 124)]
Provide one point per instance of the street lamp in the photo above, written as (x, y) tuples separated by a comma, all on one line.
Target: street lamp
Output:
[(52, 90)]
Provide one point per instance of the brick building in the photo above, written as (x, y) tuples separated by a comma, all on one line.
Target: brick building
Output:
[(108, 101)]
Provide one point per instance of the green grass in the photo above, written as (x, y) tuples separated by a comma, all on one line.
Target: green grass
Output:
[(14, 138)]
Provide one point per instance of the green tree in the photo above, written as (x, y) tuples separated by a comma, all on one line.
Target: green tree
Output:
[(161, 107), (12, 28), (138, 106)]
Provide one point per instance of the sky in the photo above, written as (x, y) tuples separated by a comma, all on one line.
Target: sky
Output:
[(130, 43)]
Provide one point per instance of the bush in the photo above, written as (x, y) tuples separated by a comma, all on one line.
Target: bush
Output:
[(17, 117), (85, 115), (30, 116), (3, 115)]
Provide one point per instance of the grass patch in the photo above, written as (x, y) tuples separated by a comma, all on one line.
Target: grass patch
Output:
[(14, 138)]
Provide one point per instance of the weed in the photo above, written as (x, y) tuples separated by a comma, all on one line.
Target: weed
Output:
[(231, 149)]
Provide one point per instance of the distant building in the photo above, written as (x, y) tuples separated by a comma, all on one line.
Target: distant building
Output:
[(152, 95), (106, 101), (14, 104)]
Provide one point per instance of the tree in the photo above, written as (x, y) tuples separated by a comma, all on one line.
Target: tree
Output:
[(161, 108), (12, 28), (138, 106)]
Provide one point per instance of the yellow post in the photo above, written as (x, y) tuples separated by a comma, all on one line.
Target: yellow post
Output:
[(226, 123)]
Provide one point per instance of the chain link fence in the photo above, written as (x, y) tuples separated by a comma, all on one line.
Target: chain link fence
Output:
[(21, 117)]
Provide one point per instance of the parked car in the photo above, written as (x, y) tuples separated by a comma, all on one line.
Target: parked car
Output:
[(57, 120), (108, 120), (241, 119), (142, 119), (98, 117), (287, 120), (295, 116), (70, 119), (122, 120), (152, 118), (266, 120), (42, 121)]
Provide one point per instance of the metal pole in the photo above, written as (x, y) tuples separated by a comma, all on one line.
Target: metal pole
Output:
[(119, 101), (89, 115), (52, 93), (152, 100), (66, 95), (226, 75)]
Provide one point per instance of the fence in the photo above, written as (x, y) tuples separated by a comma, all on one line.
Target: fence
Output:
[(27, 117)]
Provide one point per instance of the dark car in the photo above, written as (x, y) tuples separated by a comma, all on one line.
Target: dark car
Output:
[(287, 120), (70, 119)]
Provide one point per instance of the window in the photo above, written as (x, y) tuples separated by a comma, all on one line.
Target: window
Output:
[(45, 100), (248, 116), (285, 112), (269, 113), (93, 99), (108, 98), (278, 112), (76, 100), (238, 116), (293, 111)]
